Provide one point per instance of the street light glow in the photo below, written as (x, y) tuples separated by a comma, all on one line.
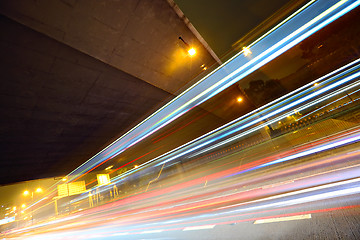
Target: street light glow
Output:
[(192, 51), (239, 99), (246, 51), (203, 67), (27, 192)]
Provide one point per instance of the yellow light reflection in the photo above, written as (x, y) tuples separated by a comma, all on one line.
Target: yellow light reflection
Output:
[(203, 67), (109, 167)]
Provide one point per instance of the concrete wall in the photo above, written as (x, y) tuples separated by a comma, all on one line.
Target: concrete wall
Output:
[(139, 37), (60, 106)]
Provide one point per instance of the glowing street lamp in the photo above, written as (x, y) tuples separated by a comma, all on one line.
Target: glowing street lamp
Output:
[(239, 99), (27, 193), (191, 50), (246, 51)]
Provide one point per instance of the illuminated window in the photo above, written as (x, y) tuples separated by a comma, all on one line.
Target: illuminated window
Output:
[(103, 179)]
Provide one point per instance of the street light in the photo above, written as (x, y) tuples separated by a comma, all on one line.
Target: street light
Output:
[(246, 51), (191, 50), (250, 101), (27, 193)]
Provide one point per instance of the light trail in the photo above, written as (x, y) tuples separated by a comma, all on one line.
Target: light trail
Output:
[(329, 104), (196, 94), (199, 142), (213, 177)]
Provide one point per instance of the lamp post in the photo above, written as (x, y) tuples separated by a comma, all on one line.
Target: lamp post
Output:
[(191, 51), (28, 193), (248, 99)]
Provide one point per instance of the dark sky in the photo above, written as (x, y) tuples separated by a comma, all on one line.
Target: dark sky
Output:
[(222, 22)]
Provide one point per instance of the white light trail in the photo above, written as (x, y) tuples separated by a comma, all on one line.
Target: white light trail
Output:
[(313, 197), (159, 119)]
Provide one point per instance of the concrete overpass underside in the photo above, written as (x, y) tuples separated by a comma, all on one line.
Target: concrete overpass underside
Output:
[(76, 75)]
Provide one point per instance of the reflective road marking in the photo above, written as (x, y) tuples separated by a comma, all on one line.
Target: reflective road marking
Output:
[(199, 227), (282, 219)]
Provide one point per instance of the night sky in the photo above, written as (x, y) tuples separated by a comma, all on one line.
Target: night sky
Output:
[(222, 23)]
